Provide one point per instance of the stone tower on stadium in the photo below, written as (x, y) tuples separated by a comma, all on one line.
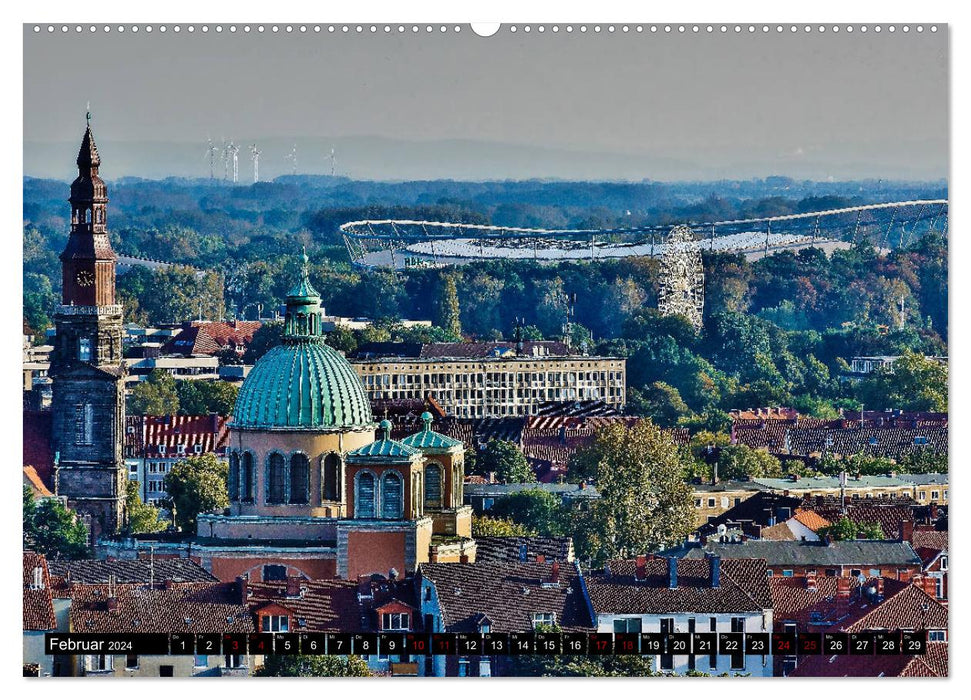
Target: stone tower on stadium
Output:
[(88, 403)]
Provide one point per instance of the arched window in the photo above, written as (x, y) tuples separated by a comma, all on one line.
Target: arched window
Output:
[(433, 485), (276, 479), (233, 481), (299, 479), (331, 478), (391, 496), (364, 501), (246, 477)]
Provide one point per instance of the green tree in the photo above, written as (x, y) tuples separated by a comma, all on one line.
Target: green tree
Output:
[(842, 529), (644, 503), (660, 402), (739, 462), (870, 531), (342, 338), (447, 309), (265, 338), (313, 666), (141, 516), (914, 383), (534, 508), (155, 396), (200, 398), (506, 460), (621, 666), (53, 530), (924, 462), (196, 485), (485, 526)]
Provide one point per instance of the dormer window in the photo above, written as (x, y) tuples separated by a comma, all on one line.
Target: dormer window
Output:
[(274, 623), (84, 349), (545, 619), (396, 622)]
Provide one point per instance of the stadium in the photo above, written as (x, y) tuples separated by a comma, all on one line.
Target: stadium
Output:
[(404, 244)]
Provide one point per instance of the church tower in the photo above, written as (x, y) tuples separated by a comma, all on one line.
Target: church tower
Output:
[(88, 402)]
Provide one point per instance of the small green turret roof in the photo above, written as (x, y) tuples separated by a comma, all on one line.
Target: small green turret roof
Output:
[(384, 449), (303, 291), (428, 440)]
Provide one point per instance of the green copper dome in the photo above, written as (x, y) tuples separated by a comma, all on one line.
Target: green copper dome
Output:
[(302, 384)]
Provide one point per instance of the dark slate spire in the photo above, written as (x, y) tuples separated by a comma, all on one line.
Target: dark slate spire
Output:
[(88, 157)]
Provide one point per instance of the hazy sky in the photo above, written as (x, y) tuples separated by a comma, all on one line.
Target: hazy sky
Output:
[(605, 106)]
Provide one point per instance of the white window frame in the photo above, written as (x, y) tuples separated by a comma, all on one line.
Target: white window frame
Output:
[(277, 623), (544, 618)]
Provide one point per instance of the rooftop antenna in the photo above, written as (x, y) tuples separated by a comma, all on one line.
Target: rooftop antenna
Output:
[(333, 162), (234, 154), (256, 162), (211, 151), (292, 157)]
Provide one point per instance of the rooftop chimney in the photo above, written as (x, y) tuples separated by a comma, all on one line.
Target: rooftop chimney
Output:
[(112, 603), (555, 572), (811, 582), (714, 569), (672, 572), (241, 589), (843, 588), (640, 567), (293, 586), (168, 584), (906, 530), (541, 558)]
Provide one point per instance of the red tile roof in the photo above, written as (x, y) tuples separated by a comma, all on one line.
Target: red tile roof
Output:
[(38, 603), (145, 434), (812, 520), (508, 595), (904, 609), (743, 587), (208, 608), (888, 513), (209, 337), (933, 539), (329, 605), (931, 665)]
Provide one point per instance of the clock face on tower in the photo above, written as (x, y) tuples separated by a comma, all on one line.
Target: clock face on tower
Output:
[(85, 278)]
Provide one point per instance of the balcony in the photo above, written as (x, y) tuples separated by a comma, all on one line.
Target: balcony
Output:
[(401, 668), (237, 672), (67, 310)]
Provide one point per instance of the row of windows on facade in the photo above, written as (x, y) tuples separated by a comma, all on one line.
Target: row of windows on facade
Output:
[(390, 622), (493, 378), (95, 663), (290, 484), (507, 394), (632, 625)]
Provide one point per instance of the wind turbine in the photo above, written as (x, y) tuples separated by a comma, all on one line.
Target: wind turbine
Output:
[(211, 151), (225, 156), (233, 150), (256, 162), (292, 157)]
